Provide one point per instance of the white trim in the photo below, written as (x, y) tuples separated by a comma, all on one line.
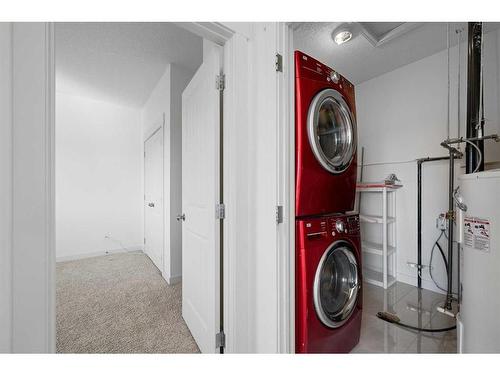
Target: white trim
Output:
[(213, 31), (286, 154), (236, 66), (229, 306), (34, 328), (130, 249), (286, 170), (172, 280)]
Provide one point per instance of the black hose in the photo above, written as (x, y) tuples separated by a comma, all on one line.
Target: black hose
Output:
[(442, 254), (445, 261), (394, 319), (391, 318)]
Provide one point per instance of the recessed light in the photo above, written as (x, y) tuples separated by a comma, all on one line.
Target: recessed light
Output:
[(342, 36)]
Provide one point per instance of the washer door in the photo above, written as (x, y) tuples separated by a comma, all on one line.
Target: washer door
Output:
[(331, 131), (336, 285)]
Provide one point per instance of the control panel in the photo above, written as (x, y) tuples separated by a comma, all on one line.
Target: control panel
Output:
[(316, 228), (332, 226), (313, 69)]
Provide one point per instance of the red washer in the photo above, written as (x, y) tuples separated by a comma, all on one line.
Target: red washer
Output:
[(328, 297), (325, 133)]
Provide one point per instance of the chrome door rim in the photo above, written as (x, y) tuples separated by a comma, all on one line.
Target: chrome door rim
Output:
[(346, 312), (312, 120)]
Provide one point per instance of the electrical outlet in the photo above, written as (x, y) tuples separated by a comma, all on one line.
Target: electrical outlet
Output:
[(441, 222)]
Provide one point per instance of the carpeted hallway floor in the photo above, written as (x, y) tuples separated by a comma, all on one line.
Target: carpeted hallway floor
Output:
[(119, 304)]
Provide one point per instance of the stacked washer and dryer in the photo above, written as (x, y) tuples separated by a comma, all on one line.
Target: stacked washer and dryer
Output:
[(328, 248)]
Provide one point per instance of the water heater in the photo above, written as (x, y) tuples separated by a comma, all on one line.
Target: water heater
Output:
[(479, 235)]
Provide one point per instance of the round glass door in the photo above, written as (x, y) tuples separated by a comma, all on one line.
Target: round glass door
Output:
[(331, 131), (336, 285)]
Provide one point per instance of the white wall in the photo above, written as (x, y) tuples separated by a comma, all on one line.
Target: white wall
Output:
[(5, 186), (402, 117), (165, 102), (99, 177)]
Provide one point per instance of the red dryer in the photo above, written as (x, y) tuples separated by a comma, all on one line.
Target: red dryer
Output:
[(325, 133), (328, 284)]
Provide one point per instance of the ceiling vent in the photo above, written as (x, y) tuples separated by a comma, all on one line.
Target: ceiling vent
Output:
[(379, 33)]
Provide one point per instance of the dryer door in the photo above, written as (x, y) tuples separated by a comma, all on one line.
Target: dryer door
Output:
[(336, 284), (331, 130)]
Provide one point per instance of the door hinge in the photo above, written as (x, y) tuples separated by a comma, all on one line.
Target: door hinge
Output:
[(279, 214), (279, 63), (220, 211), (220, 82), (220, 340)]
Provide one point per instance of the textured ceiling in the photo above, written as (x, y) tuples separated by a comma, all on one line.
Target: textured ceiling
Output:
[(359, 60), (121, 62)]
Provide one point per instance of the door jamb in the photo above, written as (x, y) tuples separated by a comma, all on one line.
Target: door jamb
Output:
[(286, 191)]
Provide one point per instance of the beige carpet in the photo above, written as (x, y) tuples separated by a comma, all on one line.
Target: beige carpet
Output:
[(119, 304)]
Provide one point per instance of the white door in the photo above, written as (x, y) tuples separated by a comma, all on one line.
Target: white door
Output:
[(153, 198), (200, 195)]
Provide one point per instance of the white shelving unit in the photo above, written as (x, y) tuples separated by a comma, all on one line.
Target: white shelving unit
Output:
[(386, 249)]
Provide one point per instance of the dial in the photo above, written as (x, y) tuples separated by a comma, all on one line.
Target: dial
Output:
[(335, 77), (340, 226)]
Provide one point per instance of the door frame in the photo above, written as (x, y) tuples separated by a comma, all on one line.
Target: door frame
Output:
[(286, 189), (156, 130)]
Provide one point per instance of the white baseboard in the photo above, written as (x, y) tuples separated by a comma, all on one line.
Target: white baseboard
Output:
[(66, 258), (173, 279)]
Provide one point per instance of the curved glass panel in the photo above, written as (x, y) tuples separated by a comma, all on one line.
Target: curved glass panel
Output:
[(331, 131), (336, 286)]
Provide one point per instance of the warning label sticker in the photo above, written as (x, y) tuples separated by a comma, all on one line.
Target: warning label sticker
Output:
[(477, 233)]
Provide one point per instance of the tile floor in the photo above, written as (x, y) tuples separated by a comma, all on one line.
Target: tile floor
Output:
[(402, 299)]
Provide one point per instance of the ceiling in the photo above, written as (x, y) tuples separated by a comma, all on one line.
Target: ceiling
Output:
[(121, 62), (361, 58)]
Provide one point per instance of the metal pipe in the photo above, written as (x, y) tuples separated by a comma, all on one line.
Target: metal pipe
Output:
[(451, 149), (419, 224), (462, 139), (419, 213), (450, 216), (475, 124), (448, 79), (459, 42)]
